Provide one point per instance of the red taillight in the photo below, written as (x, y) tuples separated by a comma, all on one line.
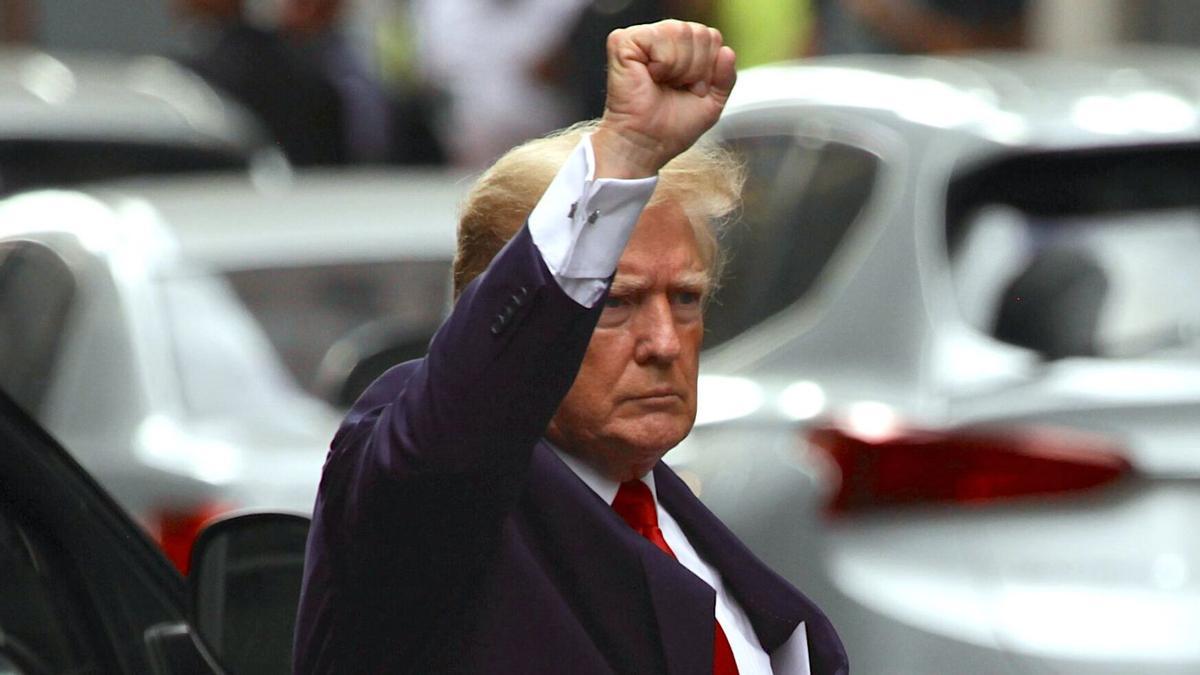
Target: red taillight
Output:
[(176, 530), (965, 465)]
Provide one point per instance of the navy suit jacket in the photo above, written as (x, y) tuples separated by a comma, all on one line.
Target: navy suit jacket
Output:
[(447, 537)]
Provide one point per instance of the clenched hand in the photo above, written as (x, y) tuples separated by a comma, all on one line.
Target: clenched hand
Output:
[(667, 84)]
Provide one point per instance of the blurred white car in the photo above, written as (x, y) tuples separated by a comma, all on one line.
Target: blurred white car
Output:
[(120, 334), (953, 379), (75, 117)]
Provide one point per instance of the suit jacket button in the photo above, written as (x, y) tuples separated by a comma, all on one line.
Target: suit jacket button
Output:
[(498, 325)]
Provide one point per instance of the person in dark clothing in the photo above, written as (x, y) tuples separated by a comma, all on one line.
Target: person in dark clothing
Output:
[(309, 87), (918, 26), (263, 71), (499, 506), (586, 61)]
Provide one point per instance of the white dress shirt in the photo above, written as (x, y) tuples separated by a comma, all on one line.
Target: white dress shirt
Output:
[(581, 226), (582, 223)]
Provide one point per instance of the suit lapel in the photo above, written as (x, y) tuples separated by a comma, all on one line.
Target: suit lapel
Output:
[(621, 586), (772, 605), (684, 609), (775, 608), (597, 570)]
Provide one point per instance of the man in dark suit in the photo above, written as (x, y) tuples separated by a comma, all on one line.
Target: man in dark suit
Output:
[(500, 506)]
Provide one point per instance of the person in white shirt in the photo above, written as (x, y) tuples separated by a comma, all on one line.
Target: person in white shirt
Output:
[(484, 55)]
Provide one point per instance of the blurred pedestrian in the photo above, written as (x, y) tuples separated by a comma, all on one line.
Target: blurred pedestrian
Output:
[(378, 126), (486, 55), (16, 21), (919, 26), (260, 68), (581, 63), (297, 70), (764, 31)]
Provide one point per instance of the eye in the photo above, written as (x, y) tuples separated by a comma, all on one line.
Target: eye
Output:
[(686, 305), (615, 302), (687, 298), (616, 310)]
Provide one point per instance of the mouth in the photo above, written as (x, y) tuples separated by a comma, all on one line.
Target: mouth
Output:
[(658, 397)]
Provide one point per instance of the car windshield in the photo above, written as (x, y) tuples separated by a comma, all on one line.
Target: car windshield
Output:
[(1091, 255), (306, 309)]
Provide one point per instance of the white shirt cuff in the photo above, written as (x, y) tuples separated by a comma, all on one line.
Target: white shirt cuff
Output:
[(581, 224)]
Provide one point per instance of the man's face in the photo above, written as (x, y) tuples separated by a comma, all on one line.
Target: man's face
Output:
[(635, 395)]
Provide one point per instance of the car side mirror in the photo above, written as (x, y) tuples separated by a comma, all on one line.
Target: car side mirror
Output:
[(245, 585)]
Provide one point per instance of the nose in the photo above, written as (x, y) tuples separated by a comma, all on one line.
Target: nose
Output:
[(657, 333)]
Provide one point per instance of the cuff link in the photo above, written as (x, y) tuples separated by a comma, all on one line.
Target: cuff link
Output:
[(592, 217)]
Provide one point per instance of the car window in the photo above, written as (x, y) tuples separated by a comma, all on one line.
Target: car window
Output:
[(27, 164), (226, 365), (1081, 263), (36, 289), (802, 195), (40, 624), (306, 309)]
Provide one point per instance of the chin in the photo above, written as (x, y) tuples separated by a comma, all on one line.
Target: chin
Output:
[(656, 440)]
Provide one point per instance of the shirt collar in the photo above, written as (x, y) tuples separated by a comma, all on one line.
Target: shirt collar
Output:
[(605, 487)]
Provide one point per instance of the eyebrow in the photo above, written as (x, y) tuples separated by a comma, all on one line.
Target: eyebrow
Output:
[(687, 281), (693, 282)]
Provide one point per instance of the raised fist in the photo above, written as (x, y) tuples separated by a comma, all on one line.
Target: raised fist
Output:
[(667, 84)]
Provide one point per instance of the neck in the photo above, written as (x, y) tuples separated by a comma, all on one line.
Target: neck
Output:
[(618, 470)]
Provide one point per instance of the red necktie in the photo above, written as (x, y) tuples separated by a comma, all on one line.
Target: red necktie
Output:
[(635, 505)]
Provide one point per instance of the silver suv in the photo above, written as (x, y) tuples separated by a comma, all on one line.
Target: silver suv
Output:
[(953, 385)]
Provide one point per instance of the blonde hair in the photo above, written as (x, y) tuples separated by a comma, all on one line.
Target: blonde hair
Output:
[(705, 181)]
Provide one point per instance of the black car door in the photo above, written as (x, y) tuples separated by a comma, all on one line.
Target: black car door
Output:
[(82, 590)]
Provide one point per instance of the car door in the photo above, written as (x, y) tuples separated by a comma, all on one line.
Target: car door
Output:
[(82, 589), (37, 290)]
